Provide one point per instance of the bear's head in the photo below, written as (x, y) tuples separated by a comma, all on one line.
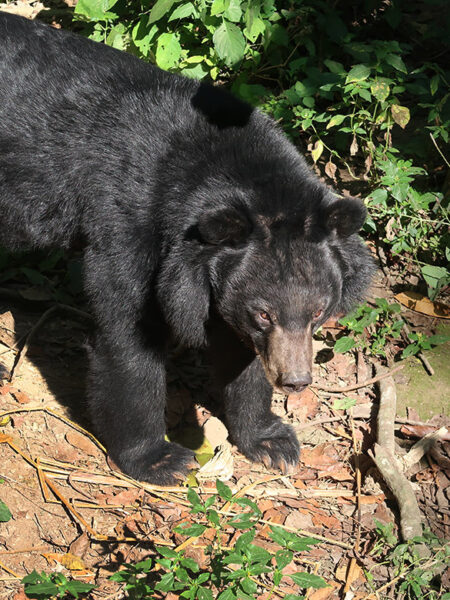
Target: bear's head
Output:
[(274, 272)]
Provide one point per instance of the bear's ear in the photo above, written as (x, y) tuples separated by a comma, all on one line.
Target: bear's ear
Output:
[(226, 227), (344, 216)]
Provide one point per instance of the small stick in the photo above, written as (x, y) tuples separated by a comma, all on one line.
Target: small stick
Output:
[(349, 388), (10, 571), (421, 447)]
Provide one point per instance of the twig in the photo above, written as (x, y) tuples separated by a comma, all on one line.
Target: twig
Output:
[(422, 447), (316, 422), (356, 386), (439, 150), (10, 571)]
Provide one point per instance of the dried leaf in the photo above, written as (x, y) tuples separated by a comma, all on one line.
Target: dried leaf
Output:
[(323, 457), (80, 545), (82, 442), (220, 466), (330, 170), (354, 146), (401, 115), (421, 304), (21, 397)]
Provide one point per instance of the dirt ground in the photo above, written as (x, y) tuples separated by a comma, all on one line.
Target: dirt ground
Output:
[(72, 513)]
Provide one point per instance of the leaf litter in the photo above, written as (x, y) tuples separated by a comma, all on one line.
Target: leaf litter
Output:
[(71, 511)]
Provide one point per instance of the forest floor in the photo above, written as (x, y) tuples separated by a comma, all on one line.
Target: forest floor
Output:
[(72, 512)]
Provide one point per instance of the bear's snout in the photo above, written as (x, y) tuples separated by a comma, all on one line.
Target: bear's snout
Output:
[(294, 383)]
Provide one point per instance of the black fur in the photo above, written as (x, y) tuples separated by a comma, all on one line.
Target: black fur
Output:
[(199, 219)]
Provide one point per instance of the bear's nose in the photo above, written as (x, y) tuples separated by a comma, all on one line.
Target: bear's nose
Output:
[(293, 383)]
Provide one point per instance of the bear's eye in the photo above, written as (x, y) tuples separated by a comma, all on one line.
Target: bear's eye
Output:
[(264, 317), (317, 314)]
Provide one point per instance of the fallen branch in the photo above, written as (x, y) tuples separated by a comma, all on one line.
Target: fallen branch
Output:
[(356, 386), (410, 517), (421, 447), (383, 455)]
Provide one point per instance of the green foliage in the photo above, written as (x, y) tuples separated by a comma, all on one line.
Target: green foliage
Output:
[(418, 577), (233, 573), (372, 327), (45, 586), (240, 572), (5, 513), (346, 79)]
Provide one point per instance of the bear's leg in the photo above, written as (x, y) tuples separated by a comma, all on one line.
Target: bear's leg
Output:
[(127, 379), (259, 434)]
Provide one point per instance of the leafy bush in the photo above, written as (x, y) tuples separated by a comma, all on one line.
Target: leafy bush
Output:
[(371, 328)]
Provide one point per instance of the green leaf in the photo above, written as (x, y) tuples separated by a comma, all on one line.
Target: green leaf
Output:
[(78, 587), (204, 594), (223, 490), (401, 115), (434, 84), (365, 94), (344, 344), (344, 403), (306, 580), (183, 11), (161, 8), (229, 43), (166, 582), (168, 50), (248, 585), (233, 11), (358, 73), (381, 90), (95, 10), (5, 513), (317, 151), (191, 530), (283, 558), (334, 67), (46, 588), (257, 554), (228, 594), (379, 196), (433, 274), (336, 120), (244, 540), (217, 7), (395, 61)]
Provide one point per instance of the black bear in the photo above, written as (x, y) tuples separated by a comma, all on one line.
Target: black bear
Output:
[(200, 223)]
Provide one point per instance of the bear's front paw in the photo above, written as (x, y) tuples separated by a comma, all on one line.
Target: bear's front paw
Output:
[(165, 464), (276, 446)]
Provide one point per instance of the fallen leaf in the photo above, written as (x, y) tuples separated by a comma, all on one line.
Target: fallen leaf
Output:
[(323, 457), (419, 431), (80, 545), (68, 560), (21, 397), (304, 405), (330, 170), (126, 497), (329, 522), (421, 304), (82, 442)]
